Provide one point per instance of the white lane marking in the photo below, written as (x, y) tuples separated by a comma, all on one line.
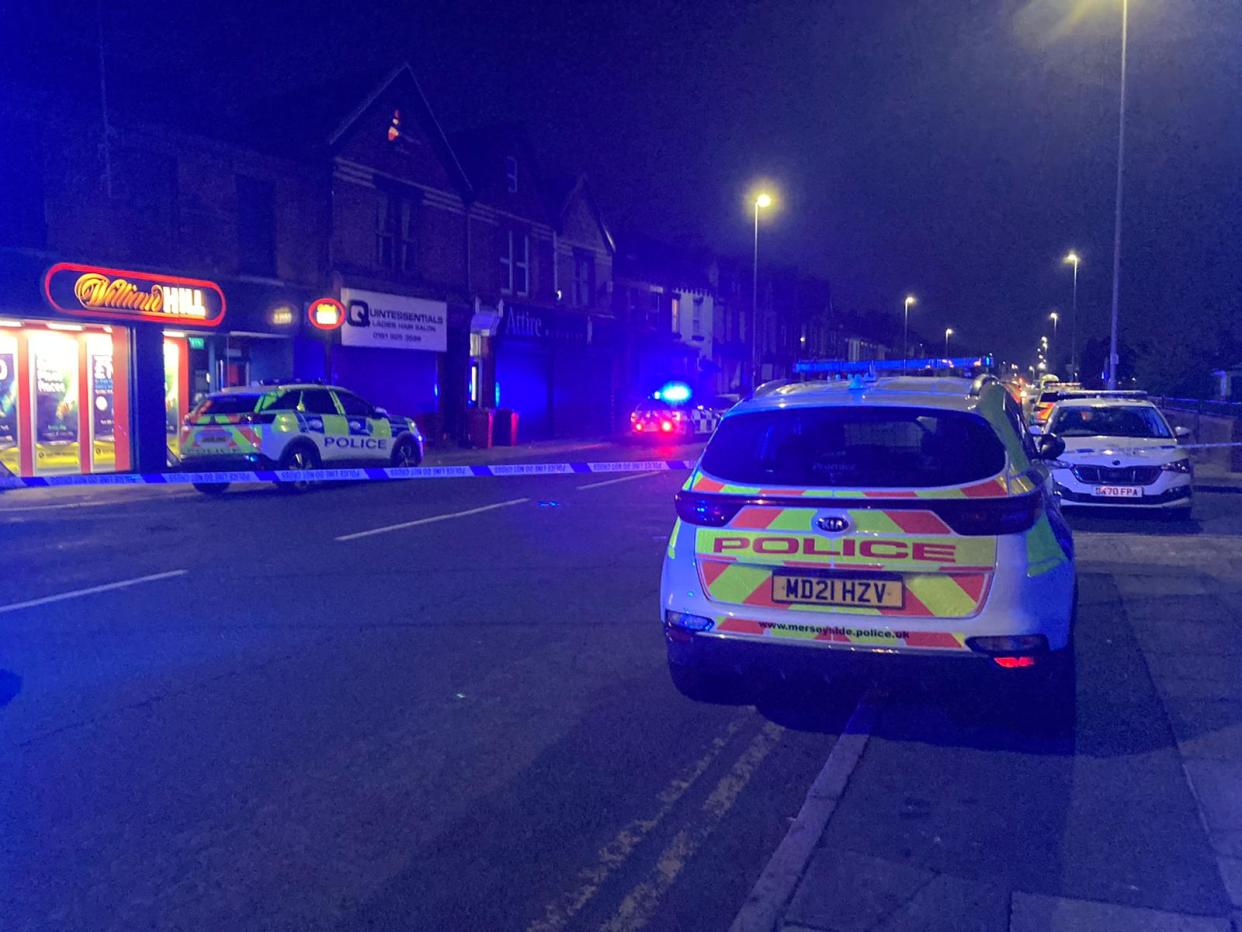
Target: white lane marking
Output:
[(780, 877), (642, 903), (432, 520), (106, 587), (559, 912), (639, 475)]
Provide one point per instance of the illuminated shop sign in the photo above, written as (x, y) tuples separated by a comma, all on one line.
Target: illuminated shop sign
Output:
[(326, 313), (115, 294)]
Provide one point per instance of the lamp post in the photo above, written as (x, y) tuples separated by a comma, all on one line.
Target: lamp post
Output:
[(948, 332), (763, 199), (1121, 149), (905, 332), (1054, 317), (1074, 260)]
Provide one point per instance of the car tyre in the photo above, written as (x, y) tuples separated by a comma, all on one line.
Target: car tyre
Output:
[(211, 488), (700, 685), (405, 454), (298, 456)]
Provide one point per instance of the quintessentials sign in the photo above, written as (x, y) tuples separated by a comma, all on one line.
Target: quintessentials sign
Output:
[(115, 294), (373, 318)]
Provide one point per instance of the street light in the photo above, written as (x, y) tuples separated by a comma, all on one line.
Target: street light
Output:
[(1054, 317), (1073, 258), (1121, 149), (762, 200), (948, 332), (905, 332)]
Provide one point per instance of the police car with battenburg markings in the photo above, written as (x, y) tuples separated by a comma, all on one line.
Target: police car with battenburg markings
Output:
[(883, 521), (292, 426)]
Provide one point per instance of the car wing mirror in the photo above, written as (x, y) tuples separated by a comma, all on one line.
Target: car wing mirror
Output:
[(1051, 447), (1181, 433), (1035, 430)]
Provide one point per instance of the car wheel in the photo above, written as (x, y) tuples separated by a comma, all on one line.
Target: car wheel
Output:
[(299, 456), (701, 685), (405, 454), (211, 488)]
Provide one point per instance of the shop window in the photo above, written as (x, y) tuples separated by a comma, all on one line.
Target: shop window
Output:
[(515, 264), (584, 278), (256, 226), (9, 453), (317, 401), (395, 219)]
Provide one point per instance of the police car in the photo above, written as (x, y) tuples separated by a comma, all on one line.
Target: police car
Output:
[(1120, 452), (302, 425), (672, 414), (867, 521)]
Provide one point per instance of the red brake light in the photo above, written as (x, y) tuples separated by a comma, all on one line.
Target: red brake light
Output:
[(707, 510), (666, 426), (1009, 515), (638, 425), (1012, 663)]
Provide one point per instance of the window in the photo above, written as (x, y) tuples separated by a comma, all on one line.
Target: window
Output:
[(515, 264), (584, 279), (395, 232), (696, 317), (675, 314), (353, 405), (854, 448), (232, 403), (511, 174), (317, 401), (282, 401), (1089, 421), (256, 226)]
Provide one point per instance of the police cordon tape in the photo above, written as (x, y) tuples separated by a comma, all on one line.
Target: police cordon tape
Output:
[(344, 475)]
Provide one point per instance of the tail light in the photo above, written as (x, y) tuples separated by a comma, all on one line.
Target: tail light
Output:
[(666, 426), (638, 425), (1010, 515), (707, 510)]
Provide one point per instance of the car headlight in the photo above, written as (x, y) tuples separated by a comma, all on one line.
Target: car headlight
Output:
[(1183, 466)]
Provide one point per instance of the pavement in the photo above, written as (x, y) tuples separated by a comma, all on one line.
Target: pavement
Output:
[(443, 705)]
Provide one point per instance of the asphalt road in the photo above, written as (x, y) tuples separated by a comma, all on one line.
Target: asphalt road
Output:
[(462, 720)]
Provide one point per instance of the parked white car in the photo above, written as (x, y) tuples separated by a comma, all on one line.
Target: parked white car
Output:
[(1119, 452)]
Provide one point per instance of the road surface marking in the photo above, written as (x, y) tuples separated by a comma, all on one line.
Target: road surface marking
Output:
[(642, 903), (613, 855), (432, 520), (780, 877), (640, 475), (106, 587)]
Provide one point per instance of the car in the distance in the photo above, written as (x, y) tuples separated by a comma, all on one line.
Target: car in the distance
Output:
[(673, 414), (1120, 452), (893, 521), (292, 426)]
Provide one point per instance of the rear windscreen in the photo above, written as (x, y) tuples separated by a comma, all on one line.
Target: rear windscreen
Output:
[(854, 447), (227, 404)]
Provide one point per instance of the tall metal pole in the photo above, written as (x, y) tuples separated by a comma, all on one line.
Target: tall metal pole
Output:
[(1121, 148), (754, 309), (1074, 327), (905, 335)]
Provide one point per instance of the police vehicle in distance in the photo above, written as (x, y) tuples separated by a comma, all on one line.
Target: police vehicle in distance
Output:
[(672, 414), (294, 425), (874, 523)]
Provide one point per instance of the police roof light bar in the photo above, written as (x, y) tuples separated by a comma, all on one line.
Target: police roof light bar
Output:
[(865, 366)]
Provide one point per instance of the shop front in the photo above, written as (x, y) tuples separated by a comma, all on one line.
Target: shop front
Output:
[(98, 367), (556, 370)]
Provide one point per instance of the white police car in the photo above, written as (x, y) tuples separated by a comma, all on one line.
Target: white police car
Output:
[(1120, 452), (299, 425), (891, 521)]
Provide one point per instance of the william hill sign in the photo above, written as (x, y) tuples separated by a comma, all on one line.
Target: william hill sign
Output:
[(116, 294)]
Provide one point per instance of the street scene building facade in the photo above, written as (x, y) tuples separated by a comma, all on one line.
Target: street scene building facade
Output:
[(483, 295)]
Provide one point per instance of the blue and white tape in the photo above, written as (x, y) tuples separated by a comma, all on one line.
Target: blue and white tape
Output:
[(344, 475)]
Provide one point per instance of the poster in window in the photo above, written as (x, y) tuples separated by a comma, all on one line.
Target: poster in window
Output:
[(54, 372), (102, 417), (172, 395), (8, 392)]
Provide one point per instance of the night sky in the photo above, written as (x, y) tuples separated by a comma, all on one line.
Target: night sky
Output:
[(955, 149)]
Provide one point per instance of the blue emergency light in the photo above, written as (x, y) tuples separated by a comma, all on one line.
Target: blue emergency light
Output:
[(863, 366), (673, 392)]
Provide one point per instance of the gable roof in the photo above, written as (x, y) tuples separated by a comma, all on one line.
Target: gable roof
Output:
[(563, 190)]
